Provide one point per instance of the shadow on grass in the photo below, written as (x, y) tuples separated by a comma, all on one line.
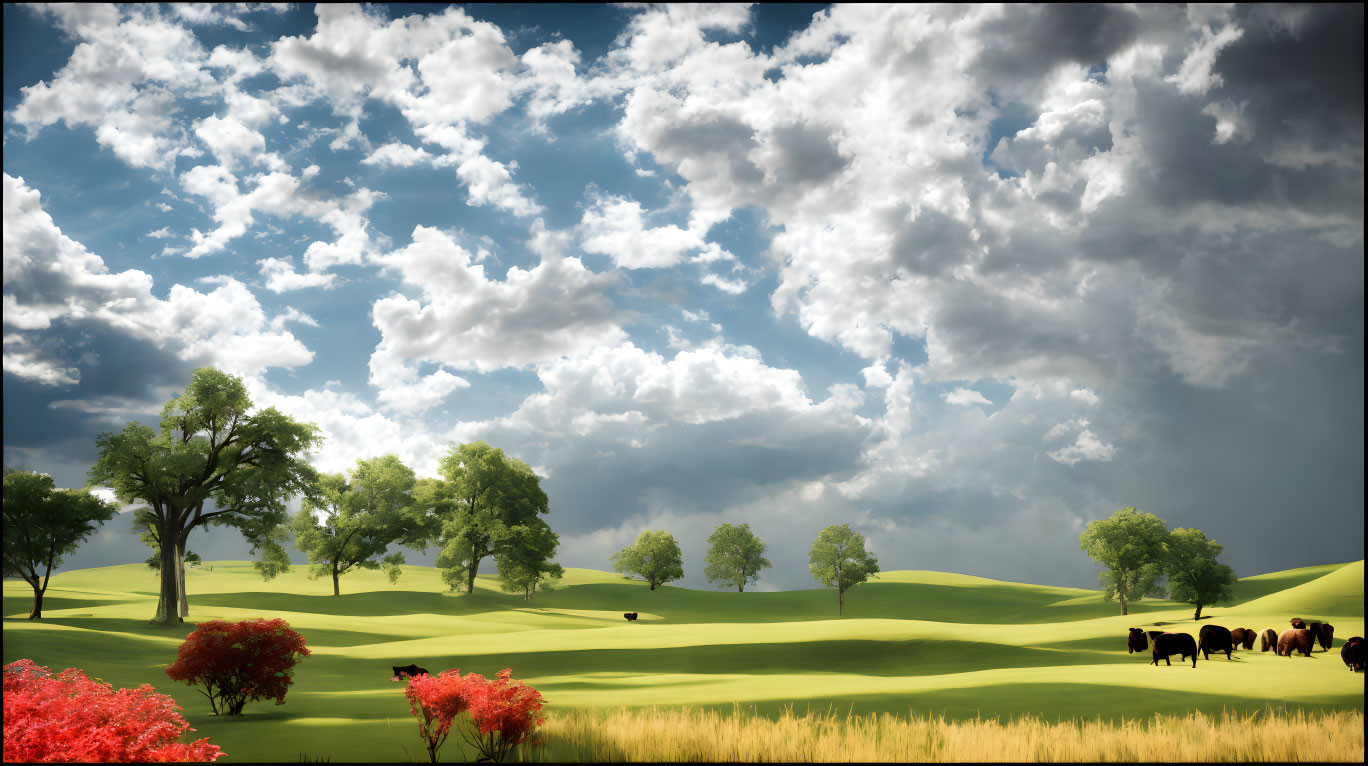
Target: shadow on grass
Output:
[(13, 605), (107, 625), (367, 604)]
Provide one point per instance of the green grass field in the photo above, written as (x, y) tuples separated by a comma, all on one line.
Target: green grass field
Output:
[(929, 643)]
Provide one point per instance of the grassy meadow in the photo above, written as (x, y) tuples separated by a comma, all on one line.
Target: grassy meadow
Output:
[(911, 645)]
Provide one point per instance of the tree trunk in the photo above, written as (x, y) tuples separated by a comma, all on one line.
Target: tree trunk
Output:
[(183, 602), (1121, 595), (169, 596), (37, 611), (1198, 615), (840, 601), (337, 590), (470, 578)]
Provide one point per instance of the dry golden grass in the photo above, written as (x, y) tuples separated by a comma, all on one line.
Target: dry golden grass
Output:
[(697, 735)]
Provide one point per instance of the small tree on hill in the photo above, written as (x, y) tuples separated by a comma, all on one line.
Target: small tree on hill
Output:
[(351, 524), (42, 524), (838, 559), (1194, 575), (525, 560), (654, 557), (1130, 545), (735, 557)]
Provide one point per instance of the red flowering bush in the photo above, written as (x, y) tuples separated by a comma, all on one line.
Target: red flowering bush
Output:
[(503, 713), (68, 717), (239, 662)]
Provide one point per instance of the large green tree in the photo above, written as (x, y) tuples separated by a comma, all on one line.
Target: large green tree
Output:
[(524, 562), (654, 557), (735, 556), (350, 524), (42, 524), (211, 450), (1130, 546), (838, 559), (1194, 575), (486, 495), (145, 527)]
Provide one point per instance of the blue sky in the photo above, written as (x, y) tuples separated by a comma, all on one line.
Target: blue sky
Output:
[(965, 278)]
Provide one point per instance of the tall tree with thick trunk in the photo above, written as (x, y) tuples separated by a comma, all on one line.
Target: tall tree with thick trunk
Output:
[(486, 496), (210, 450), (42, 524), (1130, 545), (838, 559), (351, 524), (735, 556), (1195, 576)]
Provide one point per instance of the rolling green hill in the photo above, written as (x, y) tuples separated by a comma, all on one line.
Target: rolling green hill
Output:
[(929, 642)]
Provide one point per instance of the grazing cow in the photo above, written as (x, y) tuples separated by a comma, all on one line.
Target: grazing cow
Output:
[(631, 616), (410, 671), (1326, 633), (1295, 640), (1136, 642), (1352, 654), (1214, 638), (1268, 640), (1237, 637), (1173, 643), (1249, 636), (1297, 623)]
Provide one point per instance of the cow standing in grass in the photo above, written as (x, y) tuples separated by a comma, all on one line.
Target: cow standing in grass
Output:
[(408, 670), (1214, 638), (1136, 642), (1325, 635), (629, 616), (1295, 640), (1166, 644), (1242, 637), (1352, 654), (1268, 640)]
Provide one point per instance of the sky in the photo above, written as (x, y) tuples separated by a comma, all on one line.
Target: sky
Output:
[(963, 278)]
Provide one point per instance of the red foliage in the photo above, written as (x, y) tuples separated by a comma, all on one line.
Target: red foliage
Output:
[(503, 712), (239, 662), (68, 717)]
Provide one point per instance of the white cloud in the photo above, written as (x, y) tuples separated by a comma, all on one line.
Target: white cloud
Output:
[(398, 155), (1086, 447), (615, 226), (965, 397), (280, 276)]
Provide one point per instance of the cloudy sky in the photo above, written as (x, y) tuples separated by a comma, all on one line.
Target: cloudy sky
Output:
[(965, 278)]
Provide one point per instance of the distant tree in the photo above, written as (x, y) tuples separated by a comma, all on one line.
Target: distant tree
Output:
[(349, 525), (654, 557), (735, 556), (211, 450), (43, 524), (485, 496), (1130, 545), (838, 559), (1194, 575), (525, 561)]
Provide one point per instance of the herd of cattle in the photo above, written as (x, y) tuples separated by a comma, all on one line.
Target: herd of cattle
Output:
[(1301, 637)]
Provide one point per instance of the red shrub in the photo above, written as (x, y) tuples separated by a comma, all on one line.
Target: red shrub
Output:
[(239, 662), (68, 717), (503, 712)]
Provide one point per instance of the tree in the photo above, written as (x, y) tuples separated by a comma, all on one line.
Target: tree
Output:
[(43, 524), (838, 559), (348, 526), (239, 662), (210, 450), (1194, 575), (654, 557), (1130, 544), (486, 495), (735, 557), (525, 561)]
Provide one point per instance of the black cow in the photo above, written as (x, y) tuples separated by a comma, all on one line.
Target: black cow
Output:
[(1136, 641), (1166, 644), (1214, 638), (410, 671), (1324, 635), (1352, 654), (631, 616)]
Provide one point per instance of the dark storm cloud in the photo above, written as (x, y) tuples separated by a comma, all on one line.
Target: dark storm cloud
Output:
[(1030, 40)]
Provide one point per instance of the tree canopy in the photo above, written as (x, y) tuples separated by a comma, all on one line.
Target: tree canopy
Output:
[(735, 556), (349, 525), (524, 561), (485, 495), (654, 557), (838, 559), (42, 524), (210, 450), (1194, 575), (1130, 545)]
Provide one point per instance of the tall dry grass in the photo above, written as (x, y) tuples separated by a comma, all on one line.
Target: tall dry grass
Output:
[(697, 735)]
